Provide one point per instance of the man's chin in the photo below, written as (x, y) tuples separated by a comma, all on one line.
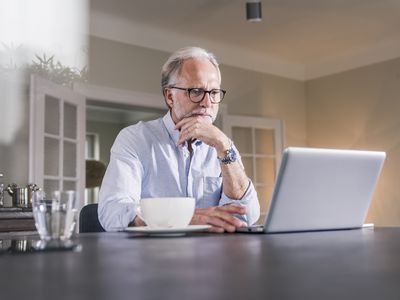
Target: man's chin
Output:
[(210, 119), (207, 117)]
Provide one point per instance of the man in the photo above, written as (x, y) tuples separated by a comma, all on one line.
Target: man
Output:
[(181, 154)]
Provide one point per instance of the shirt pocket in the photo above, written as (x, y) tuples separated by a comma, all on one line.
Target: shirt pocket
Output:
[(212, 191)]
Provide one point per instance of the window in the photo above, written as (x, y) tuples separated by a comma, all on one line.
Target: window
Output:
[(259, 141)]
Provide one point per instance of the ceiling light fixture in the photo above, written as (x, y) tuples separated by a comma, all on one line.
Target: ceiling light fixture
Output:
[(253, 11)]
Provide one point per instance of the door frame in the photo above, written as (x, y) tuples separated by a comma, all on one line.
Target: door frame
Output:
[(39, 87), (257, 122), (119, 96)]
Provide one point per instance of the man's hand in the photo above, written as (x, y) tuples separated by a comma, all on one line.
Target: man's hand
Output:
[(219, 217), (201, 128), (137, 221)]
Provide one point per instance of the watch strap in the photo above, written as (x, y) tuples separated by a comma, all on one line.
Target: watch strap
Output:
[(230, 155)]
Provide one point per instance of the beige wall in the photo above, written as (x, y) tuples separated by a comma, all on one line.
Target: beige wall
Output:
[(14, 130), (360, 109), (107, 133), (123, 66), (135, 68), (257, 94)]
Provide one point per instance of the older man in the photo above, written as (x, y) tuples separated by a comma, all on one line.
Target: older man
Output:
[(181, 154)]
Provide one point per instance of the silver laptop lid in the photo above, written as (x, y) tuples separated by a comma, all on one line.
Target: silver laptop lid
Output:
[(323, 189)]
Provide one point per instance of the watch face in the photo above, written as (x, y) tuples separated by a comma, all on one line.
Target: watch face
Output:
[(233, 155), (230, 157)]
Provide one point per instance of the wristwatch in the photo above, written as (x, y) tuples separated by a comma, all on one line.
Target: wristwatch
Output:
[(230, 156)]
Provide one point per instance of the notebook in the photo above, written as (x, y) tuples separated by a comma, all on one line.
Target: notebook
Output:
[(321, 189)]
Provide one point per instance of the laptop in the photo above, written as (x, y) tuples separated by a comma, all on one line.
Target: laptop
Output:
[(321, 189)]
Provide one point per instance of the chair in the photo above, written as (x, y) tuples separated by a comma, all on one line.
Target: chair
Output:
[(88, 219)]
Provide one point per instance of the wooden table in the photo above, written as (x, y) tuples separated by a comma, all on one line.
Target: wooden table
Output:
[(349, 264)]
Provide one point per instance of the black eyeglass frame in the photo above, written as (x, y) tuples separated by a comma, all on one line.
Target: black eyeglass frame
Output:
[(188, 90)]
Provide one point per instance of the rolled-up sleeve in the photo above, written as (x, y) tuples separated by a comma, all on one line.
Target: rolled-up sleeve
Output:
[(250, 200)]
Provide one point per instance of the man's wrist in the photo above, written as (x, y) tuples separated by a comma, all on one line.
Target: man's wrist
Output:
[(225, 145), (229, 156)]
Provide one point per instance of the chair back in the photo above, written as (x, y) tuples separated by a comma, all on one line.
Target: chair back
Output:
[(89, 220)]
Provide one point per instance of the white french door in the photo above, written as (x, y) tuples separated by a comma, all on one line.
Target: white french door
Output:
[(57, 137), (260, 143)]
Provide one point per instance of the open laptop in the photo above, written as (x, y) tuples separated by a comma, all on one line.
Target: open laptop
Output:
[(321, 189)]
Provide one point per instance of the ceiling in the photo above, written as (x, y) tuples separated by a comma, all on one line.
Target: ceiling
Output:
[(300, 39)]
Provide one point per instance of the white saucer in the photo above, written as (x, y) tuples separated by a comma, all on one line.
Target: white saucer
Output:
[(150, 230)]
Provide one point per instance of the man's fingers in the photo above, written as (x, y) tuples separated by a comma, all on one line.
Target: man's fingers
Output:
[(228, 218), (216, 229), (184, 121), (195, 119), (222, 217), (187, 133), (221, 223), (233, 209), (192, 130)]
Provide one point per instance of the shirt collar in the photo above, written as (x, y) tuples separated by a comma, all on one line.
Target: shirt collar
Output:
[(174, 133)]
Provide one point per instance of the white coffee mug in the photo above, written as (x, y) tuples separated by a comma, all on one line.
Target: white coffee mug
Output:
[(167, 212)]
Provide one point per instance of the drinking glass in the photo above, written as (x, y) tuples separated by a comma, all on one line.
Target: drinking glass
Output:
[(55, 216)]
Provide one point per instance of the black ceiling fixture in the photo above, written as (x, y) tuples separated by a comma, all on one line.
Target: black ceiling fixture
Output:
[(253, 11)]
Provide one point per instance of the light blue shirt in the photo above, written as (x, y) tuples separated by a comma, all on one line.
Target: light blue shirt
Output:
[(146, 162)]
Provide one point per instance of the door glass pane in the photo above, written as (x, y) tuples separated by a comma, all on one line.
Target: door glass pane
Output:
[(265, 170), (69, 185), (242, 139), (51, 156), (50, 186), (248, 166), (264, 141), (264, 197), (70, 116), (52, 115), (69, 159)]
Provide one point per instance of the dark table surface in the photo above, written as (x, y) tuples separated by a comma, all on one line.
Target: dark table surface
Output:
[(348, 264)]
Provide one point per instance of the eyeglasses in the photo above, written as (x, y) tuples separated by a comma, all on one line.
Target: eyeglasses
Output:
[(197, 95)]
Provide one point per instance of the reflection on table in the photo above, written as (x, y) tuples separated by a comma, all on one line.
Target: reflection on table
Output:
[(349, 264)]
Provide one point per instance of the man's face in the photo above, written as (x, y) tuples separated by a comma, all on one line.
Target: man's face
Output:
[(195, 73)]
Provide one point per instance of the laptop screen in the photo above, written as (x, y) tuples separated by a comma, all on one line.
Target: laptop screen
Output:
[(323, 189)]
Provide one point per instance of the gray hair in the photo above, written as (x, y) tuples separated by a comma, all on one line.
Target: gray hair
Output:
[(173, 65)]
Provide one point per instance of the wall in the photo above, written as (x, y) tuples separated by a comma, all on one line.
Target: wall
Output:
[(107, 133), (360, 109), (134, 68), (357, 109), (124, 66), (14, 130), (256, 94)]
